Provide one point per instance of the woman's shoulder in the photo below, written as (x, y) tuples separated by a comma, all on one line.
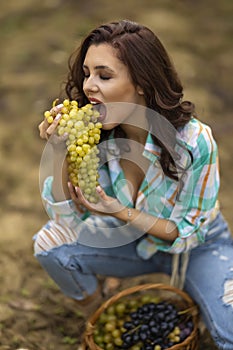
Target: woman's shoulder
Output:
[(196, 134)]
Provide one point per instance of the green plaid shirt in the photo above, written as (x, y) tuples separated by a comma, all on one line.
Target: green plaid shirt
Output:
[(191, 208)]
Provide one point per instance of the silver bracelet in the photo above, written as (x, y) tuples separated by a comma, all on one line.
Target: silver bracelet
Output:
[(129, 212)]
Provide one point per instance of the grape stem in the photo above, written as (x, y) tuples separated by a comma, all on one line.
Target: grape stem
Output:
[(190, 309), (55, 102)]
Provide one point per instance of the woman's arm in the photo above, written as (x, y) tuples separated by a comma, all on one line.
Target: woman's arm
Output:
[(60, 189), (160, 228)]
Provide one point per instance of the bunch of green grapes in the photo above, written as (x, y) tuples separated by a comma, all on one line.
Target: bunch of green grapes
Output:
[(83, 129), (143, 323)]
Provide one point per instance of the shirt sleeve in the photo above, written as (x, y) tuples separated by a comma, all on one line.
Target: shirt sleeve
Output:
[(64, 212), (197, 199)]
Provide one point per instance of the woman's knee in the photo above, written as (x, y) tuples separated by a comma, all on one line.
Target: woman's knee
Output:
[(53, 235)]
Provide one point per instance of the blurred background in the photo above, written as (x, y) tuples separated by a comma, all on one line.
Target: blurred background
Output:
[(36, 38)]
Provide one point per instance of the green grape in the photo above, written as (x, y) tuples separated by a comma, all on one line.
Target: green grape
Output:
[(135, 347), (83, 129), (157, 347), (116, 333), (176, 339), (103, 318), (110, 326), (107, 338), (146, 298), (98, 339), (111, 318), (120, 308), (110, 310), (50, 119), (118, 341), (176, 331), (133, 303)]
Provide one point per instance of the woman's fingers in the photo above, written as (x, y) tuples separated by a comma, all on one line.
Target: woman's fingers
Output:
[(71, 190), (52, 127), (82, 201), (73, 193), (75, 198), (80, 196), (56, 109), (46, 129), (106, 204), (42, 129), (101, 193)]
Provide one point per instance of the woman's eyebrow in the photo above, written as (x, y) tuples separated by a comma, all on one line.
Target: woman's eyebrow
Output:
[(100, 67)]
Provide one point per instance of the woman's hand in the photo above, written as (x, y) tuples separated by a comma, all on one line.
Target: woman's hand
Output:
[(106, 206), (48, 131)]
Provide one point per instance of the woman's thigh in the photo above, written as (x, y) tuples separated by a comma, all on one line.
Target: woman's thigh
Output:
[(74, 267), (121, 261)]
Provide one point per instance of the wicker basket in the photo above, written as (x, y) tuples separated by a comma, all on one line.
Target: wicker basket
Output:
[(165, 291)]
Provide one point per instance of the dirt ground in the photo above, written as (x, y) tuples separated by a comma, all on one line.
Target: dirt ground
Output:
[(36, 38)]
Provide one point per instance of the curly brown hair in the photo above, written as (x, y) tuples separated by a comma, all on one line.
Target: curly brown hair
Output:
[(150, 68)]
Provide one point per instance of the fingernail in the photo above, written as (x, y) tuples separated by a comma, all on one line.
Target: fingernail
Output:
[(98, 189), (58, 116)]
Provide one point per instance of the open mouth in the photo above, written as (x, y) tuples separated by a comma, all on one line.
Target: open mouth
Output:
[(100, 107)]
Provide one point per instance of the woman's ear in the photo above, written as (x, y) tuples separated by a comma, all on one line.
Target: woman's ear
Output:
[(139, 90)]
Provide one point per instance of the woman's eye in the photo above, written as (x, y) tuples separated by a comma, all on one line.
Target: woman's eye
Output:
[(104, 77)]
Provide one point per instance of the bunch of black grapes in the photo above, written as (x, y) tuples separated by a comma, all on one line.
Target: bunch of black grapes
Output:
[(142, 324)]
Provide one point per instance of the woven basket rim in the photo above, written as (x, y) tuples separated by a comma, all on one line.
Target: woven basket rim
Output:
[(88, 341)]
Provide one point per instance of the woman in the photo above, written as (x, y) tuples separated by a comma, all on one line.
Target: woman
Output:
[(159, 181)]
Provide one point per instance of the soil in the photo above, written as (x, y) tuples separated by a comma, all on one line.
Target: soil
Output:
[(36, 38)]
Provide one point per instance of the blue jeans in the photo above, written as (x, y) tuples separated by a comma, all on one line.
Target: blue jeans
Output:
[(209, 275)]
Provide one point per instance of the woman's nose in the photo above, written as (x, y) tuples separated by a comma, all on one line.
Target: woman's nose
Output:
[(89, 85)]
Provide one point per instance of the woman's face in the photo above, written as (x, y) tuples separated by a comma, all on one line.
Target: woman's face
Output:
[(107, 81)]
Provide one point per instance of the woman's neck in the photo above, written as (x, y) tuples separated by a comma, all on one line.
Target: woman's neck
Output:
[(134, 133), (136, 128)]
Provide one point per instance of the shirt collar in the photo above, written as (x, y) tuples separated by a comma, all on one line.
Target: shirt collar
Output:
[(181, 148), (151, 151)]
